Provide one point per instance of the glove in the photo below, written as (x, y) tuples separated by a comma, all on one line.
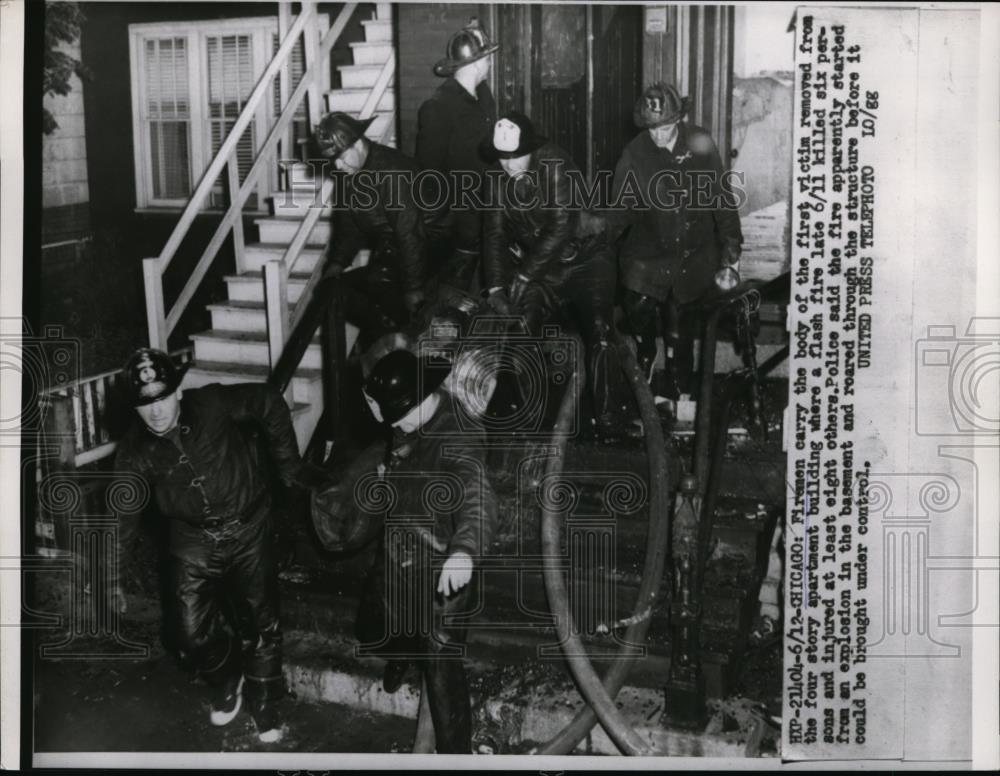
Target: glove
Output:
[(731, 253), (332, 271), (517, 288), (414, 300), (455, 574), (498, 302)]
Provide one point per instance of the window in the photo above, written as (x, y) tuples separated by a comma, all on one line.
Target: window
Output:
[(190, 82), (167, 118)]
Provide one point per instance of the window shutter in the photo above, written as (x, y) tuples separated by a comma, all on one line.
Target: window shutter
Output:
[(230, 82), (168, 117), (297, 68)]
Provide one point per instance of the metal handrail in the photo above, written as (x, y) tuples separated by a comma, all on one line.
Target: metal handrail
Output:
[(301, 335)]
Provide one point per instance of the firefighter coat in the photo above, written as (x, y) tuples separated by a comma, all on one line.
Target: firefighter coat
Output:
[(682, 214)]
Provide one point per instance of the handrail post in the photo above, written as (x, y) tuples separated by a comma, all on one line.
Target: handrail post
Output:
[(233, 170), (276, 303), (156, 323), (334, 355)]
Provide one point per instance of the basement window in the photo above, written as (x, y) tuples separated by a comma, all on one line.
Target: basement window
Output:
[(190, 82)]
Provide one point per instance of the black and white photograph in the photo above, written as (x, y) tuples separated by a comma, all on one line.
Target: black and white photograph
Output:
[(388, 385)]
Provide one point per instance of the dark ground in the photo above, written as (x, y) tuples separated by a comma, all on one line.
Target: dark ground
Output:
[(154, 705)]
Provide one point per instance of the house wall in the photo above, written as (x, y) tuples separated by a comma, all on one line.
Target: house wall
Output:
[(763, 64), (65, 192), (762, 134), (423, 31)]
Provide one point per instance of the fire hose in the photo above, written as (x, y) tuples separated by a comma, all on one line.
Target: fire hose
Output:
[(598, 693)]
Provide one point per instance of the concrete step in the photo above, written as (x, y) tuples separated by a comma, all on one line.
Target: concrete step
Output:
[(280, 230), (245, 347), (383, 12), (296, 202), (302, 175), (207, 372), (256, 254), (238, 316), (249, 286), (514, 705), (361, 76), (378, 30), (371, 53), (353, 100)]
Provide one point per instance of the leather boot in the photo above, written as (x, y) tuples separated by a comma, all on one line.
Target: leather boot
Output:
[(225, 679), (451, 708), (393, 675)]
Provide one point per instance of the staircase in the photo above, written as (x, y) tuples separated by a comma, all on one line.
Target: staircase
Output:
[(236, 348)]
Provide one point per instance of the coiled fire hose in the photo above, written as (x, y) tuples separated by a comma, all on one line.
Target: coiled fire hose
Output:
[(600, 694)]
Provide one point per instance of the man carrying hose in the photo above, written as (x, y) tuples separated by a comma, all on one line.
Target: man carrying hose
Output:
[(543, 255)]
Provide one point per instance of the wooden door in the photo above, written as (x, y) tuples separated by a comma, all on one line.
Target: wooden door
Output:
[(575, 70), (691, 46), (617, 67)]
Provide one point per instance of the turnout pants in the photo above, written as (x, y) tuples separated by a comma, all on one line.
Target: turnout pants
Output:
[(373, 301), (642, 313), (401, 617), (585, 289), (229, 571)]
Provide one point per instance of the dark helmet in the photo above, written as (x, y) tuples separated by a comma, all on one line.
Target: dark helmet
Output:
[(467, 45), (150, 375), (400, 381), (336, 132), (659, 104)]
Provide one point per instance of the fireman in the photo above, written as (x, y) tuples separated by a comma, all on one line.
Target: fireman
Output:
[(684, 238), (375, 209), (544, 254), (450, 126), (199, 452), (440, 520)]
